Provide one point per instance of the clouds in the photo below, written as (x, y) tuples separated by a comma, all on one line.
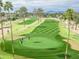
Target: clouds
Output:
[(38, 2), (46, 4)]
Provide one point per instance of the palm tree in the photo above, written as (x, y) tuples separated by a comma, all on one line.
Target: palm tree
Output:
[(34, 12), (76, 20), (23, 13), (8, 7), (39, 13), (16, 14), (76, 23), (68, 15), (1, 14)]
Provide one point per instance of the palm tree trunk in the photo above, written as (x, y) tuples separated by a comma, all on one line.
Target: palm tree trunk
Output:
[(24, 20), (2, 31), (67, 45), (12, 38), (38, 19)]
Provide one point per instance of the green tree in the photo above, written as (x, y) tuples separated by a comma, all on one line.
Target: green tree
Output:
[(9, 7), (16, 14), (39, 13), (23, 13), (76, 20), (68, 15), (1, 5), (2, 31)]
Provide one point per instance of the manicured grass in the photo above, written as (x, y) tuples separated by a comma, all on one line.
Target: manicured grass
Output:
[(47, 29), (44, 43), (41, 43)]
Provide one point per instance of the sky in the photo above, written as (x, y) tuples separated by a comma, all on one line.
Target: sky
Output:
[(47, 5)]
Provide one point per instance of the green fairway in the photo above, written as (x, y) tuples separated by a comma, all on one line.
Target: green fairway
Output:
[(41, 43), (44, 42)]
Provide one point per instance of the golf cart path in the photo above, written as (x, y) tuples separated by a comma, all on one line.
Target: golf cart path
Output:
[(74, 44)]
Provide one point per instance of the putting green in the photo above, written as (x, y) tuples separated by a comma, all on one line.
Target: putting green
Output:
[(41, 43)]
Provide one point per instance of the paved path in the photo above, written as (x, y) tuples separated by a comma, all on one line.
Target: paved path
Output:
[(74, 44)]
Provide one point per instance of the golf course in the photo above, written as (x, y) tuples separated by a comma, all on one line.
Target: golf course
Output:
[(41, 40), (43, 29)]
